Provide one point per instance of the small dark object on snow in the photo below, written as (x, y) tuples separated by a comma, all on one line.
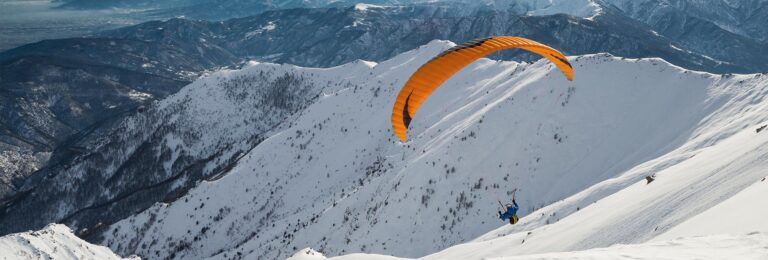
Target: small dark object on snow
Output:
[(760, 128), (141, 109), (763, 179), (650, 178)]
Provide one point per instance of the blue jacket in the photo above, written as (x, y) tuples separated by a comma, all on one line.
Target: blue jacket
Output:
[(511, 211)]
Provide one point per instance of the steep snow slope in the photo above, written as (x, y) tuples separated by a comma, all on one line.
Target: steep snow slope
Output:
[(334, 177), (53, 242), (740, 214), (749, 246), (721, 160)]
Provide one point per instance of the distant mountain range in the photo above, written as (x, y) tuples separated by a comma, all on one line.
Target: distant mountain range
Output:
[(743, 17), (746, 18)]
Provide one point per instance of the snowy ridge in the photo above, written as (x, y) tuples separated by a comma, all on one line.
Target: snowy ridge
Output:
[(334, 178), (53, 242), (739, 211)]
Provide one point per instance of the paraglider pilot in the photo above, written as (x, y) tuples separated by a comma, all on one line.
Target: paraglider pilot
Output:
[(511, 212)]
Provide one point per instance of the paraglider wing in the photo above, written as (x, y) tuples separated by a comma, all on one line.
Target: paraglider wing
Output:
[(432, 74)]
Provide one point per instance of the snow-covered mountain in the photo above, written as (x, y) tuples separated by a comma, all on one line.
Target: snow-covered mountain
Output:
[(127, 68), (333, 177), (745, 18), (693, 24), (123, 69), (262, 161), (55, 241)]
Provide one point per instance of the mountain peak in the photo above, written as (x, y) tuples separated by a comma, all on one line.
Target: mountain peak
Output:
[(55, 241)]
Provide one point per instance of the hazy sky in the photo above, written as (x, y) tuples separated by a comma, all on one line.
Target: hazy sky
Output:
[(27, 21)]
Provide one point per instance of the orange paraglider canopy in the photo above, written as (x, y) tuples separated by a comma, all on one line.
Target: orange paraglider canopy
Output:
[(432, 74)]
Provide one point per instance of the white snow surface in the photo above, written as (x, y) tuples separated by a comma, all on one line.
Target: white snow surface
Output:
[(739, 214), (270, 26), (365, 7), (55, 241), (334, 177), (748, 246)]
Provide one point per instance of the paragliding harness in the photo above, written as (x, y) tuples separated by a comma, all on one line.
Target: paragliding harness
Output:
[(510, 210)]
